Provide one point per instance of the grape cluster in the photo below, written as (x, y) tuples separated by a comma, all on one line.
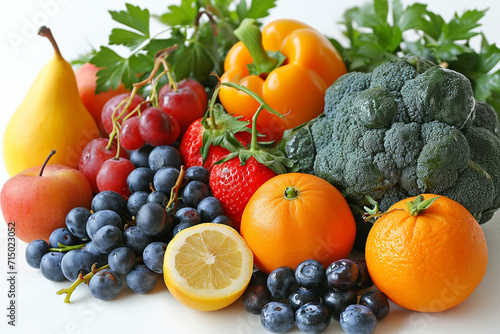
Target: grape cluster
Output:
[(311, 295), (124, 240)]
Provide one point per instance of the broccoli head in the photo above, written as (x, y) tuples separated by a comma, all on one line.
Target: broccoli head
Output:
[(395, 133)]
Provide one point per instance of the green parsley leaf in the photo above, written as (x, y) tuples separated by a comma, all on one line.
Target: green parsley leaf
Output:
[(182, 15), (126, 37), (134, 17)]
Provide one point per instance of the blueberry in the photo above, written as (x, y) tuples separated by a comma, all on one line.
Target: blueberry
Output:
[(153, 256), (223, 220), (100, 219), (35, 251), (179, 227), (194, 192), (255, 297), (165, 179), (158, 197), (342, 274), (75, 262), (141, 279), (187, 215), (76, 222), (50, 266), (164, 156), (136, 201), (310, 273), (134, 238), (140, 179), (281, 282), (121, 259), (337, 301), (277, 317), (62, 236), (105, 285), (312, 318), (197, 173), (302, 296), (209, 208), (358, 319), (377, 302), (140, 157), (364, 280)]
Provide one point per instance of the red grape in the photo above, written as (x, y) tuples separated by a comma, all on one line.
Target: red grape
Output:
[(130, 137), (195, 86), (93, 155), (113, 176), (157, 127), (183, 105), (110, 106)]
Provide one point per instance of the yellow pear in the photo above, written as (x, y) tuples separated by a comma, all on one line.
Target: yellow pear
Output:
[(51, 116)]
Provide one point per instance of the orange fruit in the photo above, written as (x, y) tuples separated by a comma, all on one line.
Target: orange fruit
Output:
[(207, 266), (427, 262), (294, 217)]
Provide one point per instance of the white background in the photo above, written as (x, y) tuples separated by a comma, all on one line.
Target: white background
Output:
[(77, 25)]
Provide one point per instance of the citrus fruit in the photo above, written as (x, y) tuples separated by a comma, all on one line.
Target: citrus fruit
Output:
[(207, 266), (294, 217), (430, 261)]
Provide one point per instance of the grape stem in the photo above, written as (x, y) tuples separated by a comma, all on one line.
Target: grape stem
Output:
[(63, 248), (81, 279), (175, 189)]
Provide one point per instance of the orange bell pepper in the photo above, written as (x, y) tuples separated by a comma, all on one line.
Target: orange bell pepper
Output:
[(289, 64)]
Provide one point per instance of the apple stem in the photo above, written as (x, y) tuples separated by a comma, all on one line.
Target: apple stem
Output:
[(45, 32), (46, 161)]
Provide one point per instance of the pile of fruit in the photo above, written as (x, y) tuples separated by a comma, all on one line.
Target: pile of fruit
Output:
[(153, 178)]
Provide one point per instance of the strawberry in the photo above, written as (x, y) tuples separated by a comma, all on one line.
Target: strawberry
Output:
[(233, 184)]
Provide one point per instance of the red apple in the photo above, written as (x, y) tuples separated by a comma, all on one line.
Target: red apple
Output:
[(38, 199)]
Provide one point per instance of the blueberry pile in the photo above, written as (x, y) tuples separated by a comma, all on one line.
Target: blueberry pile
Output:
[(311, 296), (122, 240)]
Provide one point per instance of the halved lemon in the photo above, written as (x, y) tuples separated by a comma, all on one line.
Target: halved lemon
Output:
[(207, 266)]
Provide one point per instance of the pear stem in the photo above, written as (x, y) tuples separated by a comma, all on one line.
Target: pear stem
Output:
[(46, 161), (45, 32)]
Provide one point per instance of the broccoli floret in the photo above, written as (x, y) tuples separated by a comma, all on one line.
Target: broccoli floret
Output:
[(395, 133)]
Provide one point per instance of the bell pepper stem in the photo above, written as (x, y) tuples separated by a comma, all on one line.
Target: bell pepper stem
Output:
[(249, 33)]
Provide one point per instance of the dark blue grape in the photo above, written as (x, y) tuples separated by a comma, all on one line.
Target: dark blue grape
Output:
[(281, 282), (100, 219), (110, 200), (100, 258), (187, 215), (158, 197), (342, 274), (141, 279), (377, 302), (34, 252), (140, 179), (139, 158), (179, 227), (358, 319), (153, 256), (107, 238), (194, 192), (121, 260), (302, 296), (310, 273), (76, 222), (164, 156), (364, 280), (62, 236), (337, 301), (165, 179), (75, 262), (136, 201), (50, 266), (134, 238), (277, 317), (209, 208), (223, 220), (312, 318), (105, 284), (255, 297), (197, 173), (258, 278), (151, 219)]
